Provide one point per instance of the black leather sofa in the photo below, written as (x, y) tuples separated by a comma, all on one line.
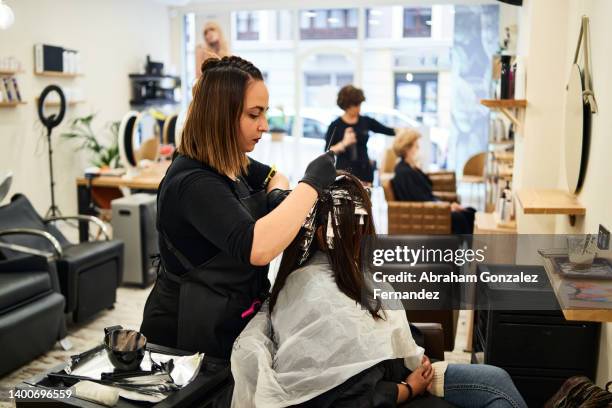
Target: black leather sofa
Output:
[(31, 310), (89, 272)]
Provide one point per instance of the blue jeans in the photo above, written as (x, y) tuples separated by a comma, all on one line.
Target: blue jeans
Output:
[(479, 386)]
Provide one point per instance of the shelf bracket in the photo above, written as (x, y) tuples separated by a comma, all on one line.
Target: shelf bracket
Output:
[(510, 116)]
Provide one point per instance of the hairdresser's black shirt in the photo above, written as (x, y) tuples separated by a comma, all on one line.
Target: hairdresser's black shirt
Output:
[(201, 215), (355, 159)]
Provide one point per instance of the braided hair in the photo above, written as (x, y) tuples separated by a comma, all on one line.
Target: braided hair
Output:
[(232, 62)]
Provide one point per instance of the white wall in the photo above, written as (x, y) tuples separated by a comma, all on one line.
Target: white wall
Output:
[(113, 37), (549, 33)]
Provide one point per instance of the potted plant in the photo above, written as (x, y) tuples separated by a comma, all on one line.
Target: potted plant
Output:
[(105, 150)]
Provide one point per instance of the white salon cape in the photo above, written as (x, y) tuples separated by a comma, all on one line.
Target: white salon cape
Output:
[(316, 339)]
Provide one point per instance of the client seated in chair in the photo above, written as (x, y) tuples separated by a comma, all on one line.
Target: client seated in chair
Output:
[(411, 184), (320, 342)]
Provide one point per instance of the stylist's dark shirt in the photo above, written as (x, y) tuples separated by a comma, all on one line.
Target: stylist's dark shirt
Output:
[(201, 214), (411, 184), (355, 159)]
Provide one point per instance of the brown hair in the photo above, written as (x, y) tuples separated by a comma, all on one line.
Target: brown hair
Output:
[(404, 140), (345, 254), (349, 96), (211, 129)]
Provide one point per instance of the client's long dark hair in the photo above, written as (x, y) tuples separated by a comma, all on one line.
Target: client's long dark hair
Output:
[(345, 255)]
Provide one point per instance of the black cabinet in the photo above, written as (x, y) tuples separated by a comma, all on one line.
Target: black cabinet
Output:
[(538, 348)]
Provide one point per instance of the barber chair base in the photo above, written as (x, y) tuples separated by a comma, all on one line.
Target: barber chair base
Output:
[(88, 277), (29, 331)]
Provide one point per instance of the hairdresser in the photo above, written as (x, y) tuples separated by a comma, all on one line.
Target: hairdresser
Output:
[(222, 217), (348, 135)]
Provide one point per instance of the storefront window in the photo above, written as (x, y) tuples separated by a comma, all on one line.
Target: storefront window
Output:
[(417, 22), (322, 88), (328, 24), (416, 95), (247, 26), (379, 22)]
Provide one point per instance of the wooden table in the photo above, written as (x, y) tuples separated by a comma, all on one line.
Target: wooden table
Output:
[(576, 313), (103, 189), (148, 178)]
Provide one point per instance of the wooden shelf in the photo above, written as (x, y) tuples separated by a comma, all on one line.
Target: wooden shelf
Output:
[(549, 201), (11, 104), (504, 106), (503, 175), (503, 156), (502, 143), (504, 103), (57, 74), (10, 73), (575, 313)]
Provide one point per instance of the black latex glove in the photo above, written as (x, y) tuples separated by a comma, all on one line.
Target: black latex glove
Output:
[(275, 197), (321, 172)]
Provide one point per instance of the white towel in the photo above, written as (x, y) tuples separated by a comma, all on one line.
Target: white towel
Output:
[(437, 385), (98, 393)]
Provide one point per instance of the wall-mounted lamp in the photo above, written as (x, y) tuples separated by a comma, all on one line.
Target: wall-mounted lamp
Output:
[(6, 16)]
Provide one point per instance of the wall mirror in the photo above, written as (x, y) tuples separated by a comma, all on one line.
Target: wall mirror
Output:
[(580, 104), (139, 139)]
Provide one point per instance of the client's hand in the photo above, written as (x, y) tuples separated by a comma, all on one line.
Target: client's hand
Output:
[(420, 379), (456, 207)]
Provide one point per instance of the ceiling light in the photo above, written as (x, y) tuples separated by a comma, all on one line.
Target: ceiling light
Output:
[(310, 14), (428, 22), (409, 77), (333, 20), (376, 12), (373, 21)]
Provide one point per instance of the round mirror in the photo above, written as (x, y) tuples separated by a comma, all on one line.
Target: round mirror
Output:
[(577, 116), (169, 130), (140, 136)]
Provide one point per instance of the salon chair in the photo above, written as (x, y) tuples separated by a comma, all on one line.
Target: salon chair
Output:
[(444, 183), (89, 272), (416, 217), (31, 309)]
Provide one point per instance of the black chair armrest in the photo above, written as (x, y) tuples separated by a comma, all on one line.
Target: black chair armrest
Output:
[(23, 263), (90, 218), (29, 231), (434, 339)]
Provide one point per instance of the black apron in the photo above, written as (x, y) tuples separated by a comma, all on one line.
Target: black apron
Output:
[(219, 297)]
